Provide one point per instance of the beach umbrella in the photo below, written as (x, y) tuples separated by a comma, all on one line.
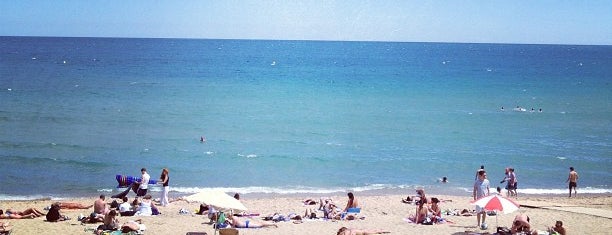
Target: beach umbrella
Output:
[(497, 203), (218, 199)]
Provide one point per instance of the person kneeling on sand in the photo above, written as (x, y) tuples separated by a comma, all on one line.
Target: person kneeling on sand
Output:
[(53, 215), (353, 231), (237, 223), (521, 225)]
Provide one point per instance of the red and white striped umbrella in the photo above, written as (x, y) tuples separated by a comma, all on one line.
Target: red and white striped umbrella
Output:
[(497, 203)]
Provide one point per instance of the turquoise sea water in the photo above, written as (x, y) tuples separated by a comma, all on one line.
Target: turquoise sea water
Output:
[(300, 116)]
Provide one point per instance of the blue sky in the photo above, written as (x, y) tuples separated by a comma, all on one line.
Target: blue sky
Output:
[(523, 21)]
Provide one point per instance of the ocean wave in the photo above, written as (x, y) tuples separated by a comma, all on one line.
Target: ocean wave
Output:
[(587, 190), (282, 190), (42, 145)]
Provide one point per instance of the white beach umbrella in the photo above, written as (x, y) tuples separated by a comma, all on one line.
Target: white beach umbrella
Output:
[(218, 199)]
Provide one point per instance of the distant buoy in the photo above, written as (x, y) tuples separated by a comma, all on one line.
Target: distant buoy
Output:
[(273, 63)]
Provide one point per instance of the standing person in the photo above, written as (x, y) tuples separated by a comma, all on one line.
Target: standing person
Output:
[(573, 181), (478, 171), (144, 183), (164, 179), (512, 183), (507, 180), (481, 189)]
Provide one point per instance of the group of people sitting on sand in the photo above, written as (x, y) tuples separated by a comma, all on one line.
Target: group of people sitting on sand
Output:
[(427, 210), (330, 210), (106, 214)]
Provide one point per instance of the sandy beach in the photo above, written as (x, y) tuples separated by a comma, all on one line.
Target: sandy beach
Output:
[(586, 214)]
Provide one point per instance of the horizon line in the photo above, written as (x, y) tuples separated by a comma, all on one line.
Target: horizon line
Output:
[(311, 40)]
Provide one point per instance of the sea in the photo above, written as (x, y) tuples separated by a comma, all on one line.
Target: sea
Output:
[(300, 117)]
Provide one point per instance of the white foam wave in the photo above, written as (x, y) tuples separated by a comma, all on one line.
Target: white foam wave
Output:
[(588, 190), (248, 155), (5, 197), (284, 190)]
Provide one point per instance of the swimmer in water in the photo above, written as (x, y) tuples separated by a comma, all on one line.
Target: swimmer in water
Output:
[(202, 139)]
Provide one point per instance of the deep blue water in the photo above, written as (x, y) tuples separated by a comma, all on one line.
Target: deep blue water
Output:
[(300, 116)]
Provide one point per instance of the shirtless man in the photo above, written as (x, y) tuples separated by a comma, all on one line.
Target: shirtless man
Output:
[(100, 208), (573, 180), (558, 228)]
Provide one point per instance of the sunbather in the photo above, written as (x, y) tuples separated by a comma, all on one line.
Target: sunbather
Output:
[(146, 206), (353, 231), (521, 225), (28, 211), (110, 222), (125, 208), (557, 229), (310, 213), (352, 202), (434, 209), (248, 223), (8, 215), (73, 205), (133, 226), (421, 211)]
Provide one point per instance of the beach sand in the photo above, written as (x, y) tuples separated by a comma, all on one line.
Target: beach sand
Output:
[(586, 214)]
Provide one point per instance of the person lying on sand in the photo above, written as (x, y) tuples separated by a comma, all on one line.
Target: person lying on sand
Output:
[(354, 231), (464, 212), (32, 210), (133, 226), (248, 223), (73, 205), (9, 215)]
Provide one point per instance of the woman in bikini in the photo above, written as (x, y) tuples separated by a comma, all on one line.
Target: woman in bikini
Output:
[(28, 211), (352, 202)]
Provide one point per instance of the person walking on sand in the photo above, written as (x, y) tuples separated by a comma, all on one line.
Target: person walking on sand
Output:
[(163, 180), (573, 181), (144, 183), (481, 189)]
